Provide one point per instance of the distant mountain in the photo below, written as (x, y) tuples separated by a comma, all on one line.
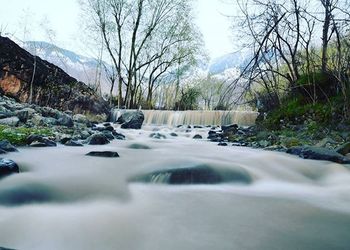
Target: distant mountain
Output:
[(80, 67), (236, 61)]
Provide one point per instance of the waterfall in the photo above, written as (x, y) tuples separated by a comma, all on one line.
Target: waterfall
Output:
[(194, 117)]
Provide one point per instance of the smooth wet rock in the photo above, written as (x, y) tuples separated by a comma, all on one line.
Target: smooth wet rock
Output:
[(40, 141), (197, 137), (108, 154), (109, 135), (73, 143), (65, 120), (200, 174), (7, 146), (316, 153), (157, 136), (224, 144), (131, 120), (10, 121), (8, 167), (343, 149), (139, 146), (173, 134), (98, 139), (118, 136)]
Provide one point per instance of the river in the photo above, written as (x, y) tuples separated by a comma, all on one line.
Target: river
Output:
[(66, 200)]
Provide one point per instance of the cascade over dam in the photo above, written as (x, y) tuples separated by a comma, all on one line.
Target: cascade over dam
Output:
[(194, 117)]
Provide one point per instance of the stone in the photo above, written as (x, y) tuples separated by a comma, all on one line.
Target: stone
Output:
[(200, 174), (157, 136), (81, 119), (108, 154), (224, 144), (7, 146), (343, 149), (197, 137), (25, 114), (118, 136), (10, 121), (109, 135), (8, 167), (98, 139), (73, 143), (131, 120), (173, 134), (65, 120), (138, 146), (40, 141), (316, 153)]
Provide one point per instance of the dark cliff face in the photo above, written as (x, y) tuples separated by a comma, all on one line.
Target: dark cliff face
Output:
[(52, 87)]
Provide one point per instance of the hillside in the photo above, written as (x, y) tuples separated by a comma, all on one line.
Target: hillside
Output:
[(52, 86)]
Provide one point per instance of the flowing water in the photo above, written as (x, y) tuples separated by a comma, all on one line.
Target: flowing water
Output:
[(66, 200), (196, 117)]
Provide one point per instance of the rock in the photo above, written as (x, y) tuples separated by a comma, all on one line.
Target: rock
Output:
[(52, 86), (173, 134), (200, 174), (316, 153), (197, 137), (11, 121), (81, 119), (343, 149), (40, 141), (264, 143), (108, 154), (7, 146), (131, 120), (229, 129), (139, 146), (25, 114), (73, 143), (8, 167), (65, 120), (197, 126), (157, 136), (109, 128), (2, 152), (224, 144), (109, 135), (98, 139), (118, 136)]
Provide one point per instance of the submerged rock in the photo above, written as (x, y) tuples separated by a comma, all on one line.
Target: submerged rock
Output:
[(201, 174), (8, 167), (157, 136), (343, 149), (316, 153), (108, 154), (197, 137), (139, 146)]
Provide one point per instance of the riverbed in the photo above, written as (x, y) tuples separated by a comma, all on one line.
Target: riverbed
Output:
[(74, 201)]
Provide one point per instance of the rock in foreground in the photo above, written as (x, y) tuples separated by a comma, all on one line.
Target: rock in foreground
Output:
[(108, 154), (201, 174), (7, 167)]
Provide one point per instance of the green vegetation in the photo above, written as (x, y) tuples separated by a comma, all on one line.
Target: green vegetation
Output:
[(18, 136)]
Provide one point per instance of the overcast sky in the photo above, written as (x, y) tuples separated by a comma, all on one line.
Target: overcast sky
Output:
[(28, 19)]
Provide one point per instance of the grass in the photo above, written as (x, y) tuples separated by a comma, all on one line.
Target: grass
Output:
[(18, 135)]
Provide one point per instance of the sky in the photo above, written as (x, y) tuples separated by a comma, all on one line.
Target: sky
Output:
[(58, 21)]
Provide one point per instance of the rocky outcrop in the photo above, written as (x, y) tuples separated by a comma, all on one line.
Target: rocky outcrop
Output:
[(52, 87)]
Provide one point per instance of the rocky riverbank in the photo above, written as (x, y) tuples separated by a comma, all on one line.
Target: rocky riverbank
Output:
[(332, 145)]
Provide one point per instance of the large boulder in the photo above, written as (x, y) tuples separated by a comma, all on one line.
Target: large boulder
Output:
[(52, 86), (131, 120), (8, 167)]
